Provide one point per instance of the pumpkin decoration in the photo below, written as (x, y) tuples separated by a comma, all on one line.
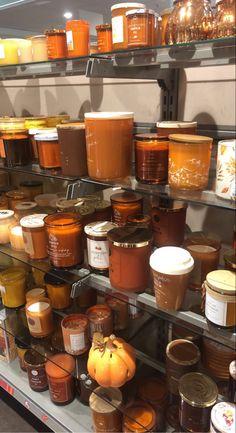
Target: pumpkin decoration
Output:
[(111, 361)]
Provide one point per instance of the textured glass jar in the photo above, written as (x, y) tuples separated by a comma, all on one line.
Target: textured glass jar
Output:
[(224, 23)]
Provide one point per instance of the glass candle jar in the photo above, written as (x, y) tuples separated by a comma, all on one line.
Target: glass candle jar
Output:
[(60, 370), (198, 395), (23, 343), (73, 157), (103, 210), (34, 236), (189, 161), (168, 127), (75, 330), (98, 245), (140, 26), (39, 317), (6, 218), (31, 188), (164, 19), (139, 416), (224, 23), (53, 121), (58, 290), (223, 418), (77, 36), (100, 320), (16, 237), (130, 250), (35, 366), (35, 294), (3, 202), (15, 141), (24, 208), (226, 169), (109, 144), (64, 237), (119, 24), (48, 150), (104, 38), (9, 52), (125, 204), (151, 158), (56, 44), (15, 197), (105, 404), (38, 274), (39, 48), (119, 306), (13, 287), (217, 358)]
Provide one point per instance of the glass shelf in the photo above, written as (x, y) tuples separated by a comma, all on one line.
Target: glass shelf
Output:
[(34, 169)]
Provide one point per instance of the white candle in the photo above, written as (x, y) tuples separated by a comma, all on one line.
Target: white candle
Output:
[(16, 238), (6, 218)]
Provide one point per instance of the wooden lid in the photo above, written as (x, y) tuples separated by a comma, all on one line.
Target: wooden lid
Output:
[(222, 281), (188, 138), (105, 400)]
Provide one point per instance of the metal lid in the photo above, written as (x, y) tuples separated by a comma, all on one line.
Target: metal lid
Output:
[(222, 281), (50, 136), (230, 258), (6, 213), (198, 390), (130, 236), (152, 136), (127, 5), (188, 138), (74, 125), (104, 27), (176, 124), (103, 400), (109, 115), (99, 228), (25, 205), (126, 197), (232, 369), (171, 261), (33, 221), (223, 417)]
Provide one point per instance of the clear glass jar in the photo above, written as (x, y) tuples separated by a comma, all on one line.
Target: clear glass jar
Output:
[(225, 19), (15, 141)]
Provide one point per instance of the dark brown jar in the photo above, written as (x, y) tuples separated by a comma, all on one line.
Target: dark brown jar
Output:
[(154, 391), (102, 210), (151, 156), (139, 417), (35, 366), (125, 204), (140, 220), (87, 385), (105, 404), (72, 144), (15, 142), (60, 370), (23, 343), (198, 395), (119, 306)]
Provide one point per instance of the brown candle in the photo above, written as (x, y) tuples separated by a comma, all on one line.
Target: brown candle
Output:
[(39, 317), (57, 289), (75, 333), (125, 204), (60, 369), (105, 404), (154, 391), (100, 320), (35, 365)]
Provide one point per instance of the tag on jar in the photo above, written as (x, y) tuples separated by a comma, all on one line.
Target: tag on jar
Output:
[(2, 289)]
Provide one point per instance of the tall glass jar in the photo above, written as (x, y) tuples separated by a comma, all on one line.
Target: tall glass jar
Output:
[(224, 23), (56, 44), (104, 38)]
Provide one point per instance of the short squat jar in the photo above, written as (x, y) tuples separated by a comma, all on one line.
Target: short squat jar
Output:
[(105, 404), (60, 369), (75, 329), (125, 204), (48, 150), (98, 245), (15, 141)]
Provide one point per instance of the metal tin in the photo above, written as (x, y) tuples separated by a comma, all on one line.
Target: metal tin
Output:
[(198, 390)]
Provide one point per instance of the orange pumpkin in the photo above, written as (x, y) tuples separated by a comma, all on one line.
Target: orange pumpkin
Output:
[(111, 361)]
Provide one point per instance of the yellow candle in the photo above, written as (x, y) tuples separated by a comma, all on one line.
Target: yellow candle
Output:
[(8, 52), (16, 237)]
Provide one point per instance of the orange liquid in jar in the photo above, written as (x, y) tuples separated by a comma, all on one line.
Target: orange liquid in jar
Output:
[(151, 156)]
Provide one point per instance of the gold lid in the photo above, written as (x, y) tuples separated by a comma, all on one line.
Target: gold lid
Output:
[(53, 32), (222, 281), (73, 125), (198, 390), (103, 27), (130, 236), (193, 139)]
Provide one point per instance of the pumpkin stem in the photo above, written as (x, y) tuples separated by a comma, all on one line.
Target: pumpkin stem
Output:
[(109, 344)]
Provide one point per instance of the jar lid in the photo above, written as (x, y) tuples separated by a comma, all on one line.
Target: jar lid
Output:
[(52, 32), (104, 27), (126, 197), (31, 183), (99, 228), (130, 236), (171, 261), (222, 281), (57, 277), (34, 358), (228, 143), (166, 11), (153, 389), (109, 115), (198, 390), (103, 400), (183, 352), (60, 365), (25, 205), (139, 417), (16, 194), (53, 136), (37, 37), (100, 205), (188, 138), (33, 221), (4, 214), (138, 11), (176, 124), (12, 123), (232, 369), (152, 136), (223, 417), (12, 274), (61, 219), (74, 125), (127, 5)]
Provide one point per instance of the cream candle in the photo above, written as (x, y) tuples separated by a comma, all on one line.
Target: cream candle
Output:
[(16, 237), (6, 218), (39, 317)]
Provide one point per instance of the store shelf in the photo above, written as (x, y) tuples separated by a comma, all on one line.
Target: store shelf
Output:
[(34, 169)]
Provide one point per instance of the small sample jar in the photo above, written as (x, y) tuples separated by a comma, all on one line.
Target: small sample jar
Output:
[(64, 236), (75, 330), (109, 138), (57, 289), (189, 161), (9, 52), (104, 38), (119, 24), (39, 48), (130, 250), (3, 202), (6, 218), (100, 320), (15, 197), (13, 287), (22, 343), (168, 127), (198, 395), (151, 158), (60, 369), (35, 366), (48, 150), (24, 208), (105, 404), (140, 26), (230, 260), (232, 382), (35, 294), (154, 391), (182, 356), (15, 141), (139, 417), (223, 418), (16, 237), (164, 19), (56, 44), (34, 236), (140, 220), (39, 317), (103, 210), (225, 169), (73, 157), (98, 245), (77, 36), (125, 204), (31, 188), (119, 306), (220, 300)]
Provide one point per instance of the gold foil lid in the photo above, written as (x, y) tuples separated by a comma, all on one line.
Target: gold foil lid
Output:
[(198, 390), (99, 228), (188, 138), (222, 281), (130, 236)]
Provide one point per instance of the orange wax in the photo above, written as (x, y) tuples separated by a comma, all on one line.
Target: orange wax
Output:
[(125, 204), (143, 413), (48, 150), (15, 197), (56, 44), (140, 27), (39, 317), (151, 158), (59, 369), (104, 38), (77, 35), (34, 236)]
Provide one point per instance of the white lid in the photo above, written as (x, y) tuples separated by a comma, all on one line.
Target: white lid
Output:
[(139, 11), (6, 213), (99, 228), (33, 221), (171, 261), (25, 205), (127, 5), (109, 115), (176, 124), (51, 136), (228, 143), (223, 417)]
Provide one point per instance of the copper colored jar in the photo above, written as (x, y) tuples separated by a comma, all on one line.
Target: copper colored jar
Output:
[(168, 127), (125, 204), (64, 236), (3, 202), (104, 38), (31, 188), (56, 44), (35, 366), (139, 417), (48, 149), (140, 220), (141, 27), (75, 329), (77, 36), (119, 23), (105, 404), (15, 197), (100, 320), (34, 236), (119, 306), (130, 249), (57, 289), (154, 391), (73, 156), (60, 369), (39, 317), (216, 358)]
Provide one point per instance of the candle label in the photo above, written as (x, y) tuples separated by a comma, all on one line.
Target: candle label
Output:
[(34, 324), (77, 342), (215, 310), (117, 30), (28, 241), (55, 249), (98, 254), (38, 378), (69, 40), (61, 391)]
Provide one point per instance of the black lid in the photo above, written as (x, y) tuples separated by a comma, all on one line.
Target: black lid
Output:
[(57, 277), (34, 358), (31, 183)]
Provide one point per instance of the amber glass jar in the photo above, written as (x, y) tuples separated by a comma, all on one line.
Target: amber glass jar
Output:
[(77, 36), (224, 22), (130, 249), (164, 19), (23, 343), (139, 417), (56, 44), (151, 158), (119, 306), (168, 127), (125, 204), (48, 149), (75, 331), (15, 141), (105, 404), (31, 188), (3, 202), (73, 157), (15, 197), (216, 358), (119, 23), (34, 236), (57, 289), (60, 370), (35, 366), (64, 237), (104, 38), (140, 26), (100, 320)]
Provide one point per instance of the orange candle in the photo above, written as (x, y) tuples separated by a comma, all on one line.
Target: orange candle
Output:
[(39, 317), (59, 370), (34, 236), (104, 38), (56, 44), (100, 320), (77, 35), (125, 204)]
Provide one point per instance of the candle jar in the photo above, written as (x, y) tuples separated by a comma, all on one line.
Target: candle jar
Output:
[(232, 382), (109, 144), (39, 48), (6, 218), (53, 121), (125, 204), (182, 356), (100, 320), (35, 366), (56, 44), (15, 141), (164, 19), (16, 237), (35, 294), (223, 418), (87, 298), (39, 274), (151, 156), (198, 395), (64, 236), (103, 210), (139, 416), (13, 287), (73, 157), (220, 299), (119, 24), (130, 249), (58, 290), (98, 245), (104, 38), (189, 161), (60, 370), (9, 52), (15, 197), (154, 391), (24, 48), (105, 404), (77, 36), (34, 236), (48, 150), (24, 208), (31, 188), (93, 48), (140, 220), (75, 333), (23, 343), (217, 358), (168, 127), (3, 202), (224, 23), (39, 317), (140, 26), (119, 306), (225, 169)]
